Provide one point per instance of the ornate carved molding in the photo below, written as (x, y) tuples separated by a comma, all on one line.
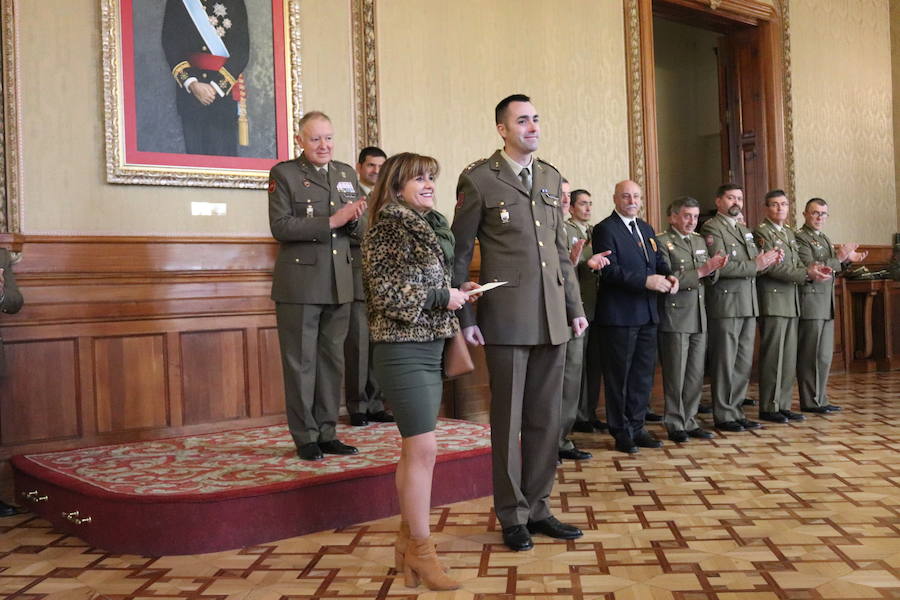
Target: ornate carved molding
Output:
[(635, 91), (365, 73), (785, 8), (10, 168)]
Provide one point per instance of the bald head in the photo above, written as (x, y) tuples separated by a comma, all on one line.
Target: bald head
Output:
[(627, 198)]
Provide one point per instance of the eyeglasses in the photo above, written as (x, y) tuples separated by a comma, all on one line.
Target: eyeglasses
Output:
[(817, 213)]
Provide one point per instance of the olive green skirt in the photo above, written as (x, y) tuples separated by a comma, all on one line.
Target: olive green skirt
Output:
[(409, 374)]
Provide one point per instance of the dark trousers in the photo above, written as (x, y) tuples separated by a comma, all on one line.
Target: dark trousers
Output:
[(361, 389), (209, 129), (526, 385), (311, 337), (592, 379), (629, 357)]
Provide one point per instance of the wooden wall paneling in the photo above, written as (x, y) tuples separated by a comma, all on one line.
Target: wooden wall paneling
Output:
[(254, 394), (87, 407), (173, 379), (130, 376), (214, 380), (43, 387), (271, 376)]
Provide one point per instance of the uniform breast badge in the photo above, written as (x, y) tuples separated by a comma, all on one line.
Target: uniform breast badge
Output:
[(306, 183), (309, 210), (504, 215)]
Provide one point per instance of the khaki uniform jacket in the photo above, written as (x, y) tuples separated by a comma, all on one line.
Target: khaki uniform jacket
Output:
[(10, 297), (522, 241), (778, 284), (734, 294), (587, 277), (314, 263), (685, 311), (817, 297)]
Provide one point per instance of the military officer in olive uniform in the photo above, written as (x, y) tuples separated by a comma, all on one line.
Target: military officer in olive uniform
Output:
[(207, 46), (732, 307), (510, 202), (313, 212), (815, 346), (779, 308), (682, 319), (10, 302)]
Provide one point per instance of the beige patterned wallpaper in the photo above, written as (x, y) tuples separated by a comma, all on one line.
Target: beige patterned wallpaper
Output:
[(895, 67), (445, 65), (843, 130)]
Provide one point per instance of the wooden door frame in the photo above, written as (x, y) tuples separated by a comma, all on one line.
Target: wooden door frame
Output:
[(773, 27)]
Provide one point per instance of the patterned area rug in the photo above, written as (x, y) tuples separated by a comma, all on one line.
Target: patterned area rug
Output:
[(242, 462)]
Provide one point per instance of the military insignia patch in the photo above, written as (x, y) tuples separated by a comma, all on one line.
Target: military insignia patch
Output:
[(670, 246), (709, 240), (306, 183), (460, 198), (652, 243), (271, 185)]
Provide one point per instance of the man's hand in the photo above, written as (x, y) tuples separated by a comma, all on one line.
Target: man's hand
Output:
[(848, 253), (346, 213), (203, 92), (575, 252), (675, 283), (468, 287), (765, 260), (579, 324), (818, 272), (472, 335), (598, 261), (712, 265), (658, 283)]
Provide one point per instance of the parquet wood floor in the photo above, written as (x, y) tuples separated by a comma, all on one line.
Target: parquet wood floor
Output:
[(800, 512)]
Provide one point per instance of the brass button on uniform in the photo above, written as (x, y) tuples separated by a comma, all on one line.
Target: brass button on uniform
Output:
[(334, 235), (538, 223), (543, 264), (541, 244), (334, 251)]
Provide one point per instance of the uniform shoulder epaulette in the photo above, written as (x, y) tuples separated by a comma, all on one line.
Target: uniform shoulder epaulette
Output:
[(542, 161), (340, 164), (763, 225), (695, 233), (478, 162)]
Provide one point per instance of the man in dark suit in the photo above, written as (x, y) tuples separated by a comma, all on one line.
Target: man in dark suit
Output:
[(10, 302), (207, 46), (627, 315), (510, 202), (313, 211)]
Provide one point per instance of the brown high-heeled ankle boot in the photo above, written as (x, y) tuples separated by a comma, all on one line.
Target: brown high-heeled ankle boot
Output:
[(400, 545), (421, 563)]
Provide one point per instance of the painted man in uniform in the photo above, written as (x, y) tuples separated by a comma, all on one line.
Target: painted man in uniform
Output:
[(779, 309), (207, 60), (815, 340), (682, 324), (510, 202), (313, 211), (732, 307)]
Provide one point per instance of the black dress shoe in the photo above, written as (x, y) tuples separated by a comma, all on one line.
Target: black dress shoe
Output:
[(748, 424), (337, 447), (6, 510), (599, 425), (645, 440), (700, 434), (382, 416), (774, 417), (819, 410), (652, 417), (358, 419), (310, 451), (582, 427), (704, 409), (517, 538), (574, 454), (553, 527), (791, 415), (679, 436), (833, 408), (732, 426), (748, 402), (626, 445)]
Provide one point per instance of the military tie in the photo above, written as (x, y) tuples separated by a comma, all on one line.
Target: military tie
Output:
[(637, 238), (525, 176)]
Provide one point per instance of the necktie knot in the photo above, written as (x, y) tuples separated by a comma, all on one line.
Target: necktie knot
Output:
[(525, 176)]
